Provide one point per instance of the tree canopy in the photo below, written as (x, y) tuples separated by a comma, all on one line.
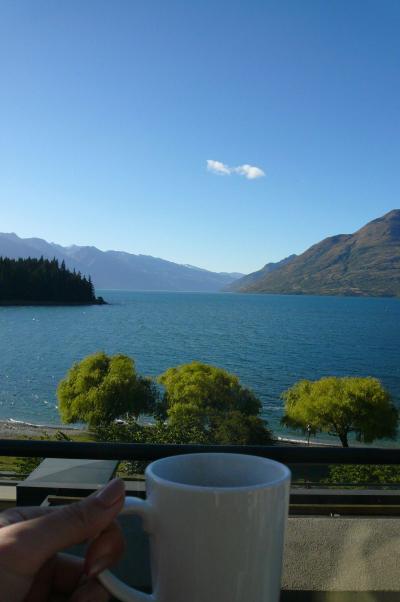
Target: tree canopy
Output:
[(363, 474), (209, 399), (101, 388), (207, 387), (159, 433), (43, 281), (340, 406)]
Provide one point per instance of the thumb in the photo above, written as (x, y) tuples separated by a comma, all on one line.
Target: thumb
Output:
[(37, 540)]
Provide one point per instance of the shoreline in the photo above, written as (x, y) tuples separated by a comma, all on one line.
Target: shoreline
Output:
[(303, 442), (14, 429), (28, 303)]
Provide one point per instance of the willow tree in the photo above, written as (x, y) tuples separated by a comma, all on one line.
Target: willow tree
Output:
[(340, 406), (101, 388), (212, 401)]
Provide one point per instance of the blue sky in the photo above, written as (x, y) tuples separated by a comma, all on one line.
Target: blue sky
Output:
[(109, 112)]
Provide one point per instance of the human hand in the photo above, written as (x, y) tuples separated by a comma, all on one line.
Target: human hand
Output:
[(31, 568)]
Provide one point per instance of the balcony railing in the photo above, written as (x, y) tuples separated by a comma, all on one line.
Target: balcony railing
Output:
[(149, 452), (341, 545)]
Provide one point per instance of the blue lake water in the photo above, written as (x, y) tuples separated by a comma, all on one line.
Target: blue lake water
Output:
[(269, 341)]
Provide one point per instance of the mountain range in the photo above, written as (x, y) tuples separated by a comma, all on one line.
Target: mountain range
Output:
[(117, 269), (365, 263)]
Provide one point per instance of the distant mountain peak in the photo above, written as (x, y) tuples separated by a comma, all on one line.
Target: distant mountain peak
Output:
[(117, 269)]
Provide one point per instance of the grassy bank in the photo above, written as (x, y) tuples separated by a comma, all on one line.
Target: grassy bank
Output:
[(32, 433)]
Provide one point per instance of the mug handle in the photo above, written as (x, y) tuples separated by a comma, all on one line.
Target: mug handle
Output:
[(112, 584)]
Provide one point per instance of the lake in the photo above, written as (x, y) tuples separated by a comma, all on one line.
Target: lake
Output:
[(269, 341)]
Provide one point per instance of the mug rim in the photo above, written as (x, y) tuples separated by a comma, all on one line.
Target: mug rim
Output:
[(167, 483)]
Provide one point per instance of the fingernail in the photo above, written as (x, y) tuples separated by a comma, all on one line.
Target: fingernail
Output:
[(111, 493), (99, 565)]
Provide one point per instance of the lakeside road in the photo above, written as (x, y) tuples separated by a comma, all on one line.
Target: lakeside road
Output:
[(19, 430)]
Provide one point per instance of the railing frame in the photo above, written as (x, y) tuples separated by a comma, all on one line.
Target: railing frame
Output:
[(148, 452)]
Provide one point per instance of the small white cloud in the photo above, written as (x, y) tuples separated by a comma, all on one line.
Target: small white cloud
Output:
[(218, 167), (251, 172)]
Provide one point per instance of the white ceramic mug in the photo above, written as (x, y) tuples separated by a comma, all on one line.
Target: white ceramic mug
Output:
[(216, 526)]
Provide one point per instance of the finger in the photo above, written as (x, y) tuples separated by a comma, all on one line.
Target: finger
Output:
[(63, 575), (91, 591), (21, 513), (68, 572), (60, 529), (42, 586), (11, 516), (105, 550)]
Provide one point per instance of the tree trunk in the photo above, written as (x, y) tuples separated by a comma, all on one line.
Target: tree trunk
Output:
[(343, 439)]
